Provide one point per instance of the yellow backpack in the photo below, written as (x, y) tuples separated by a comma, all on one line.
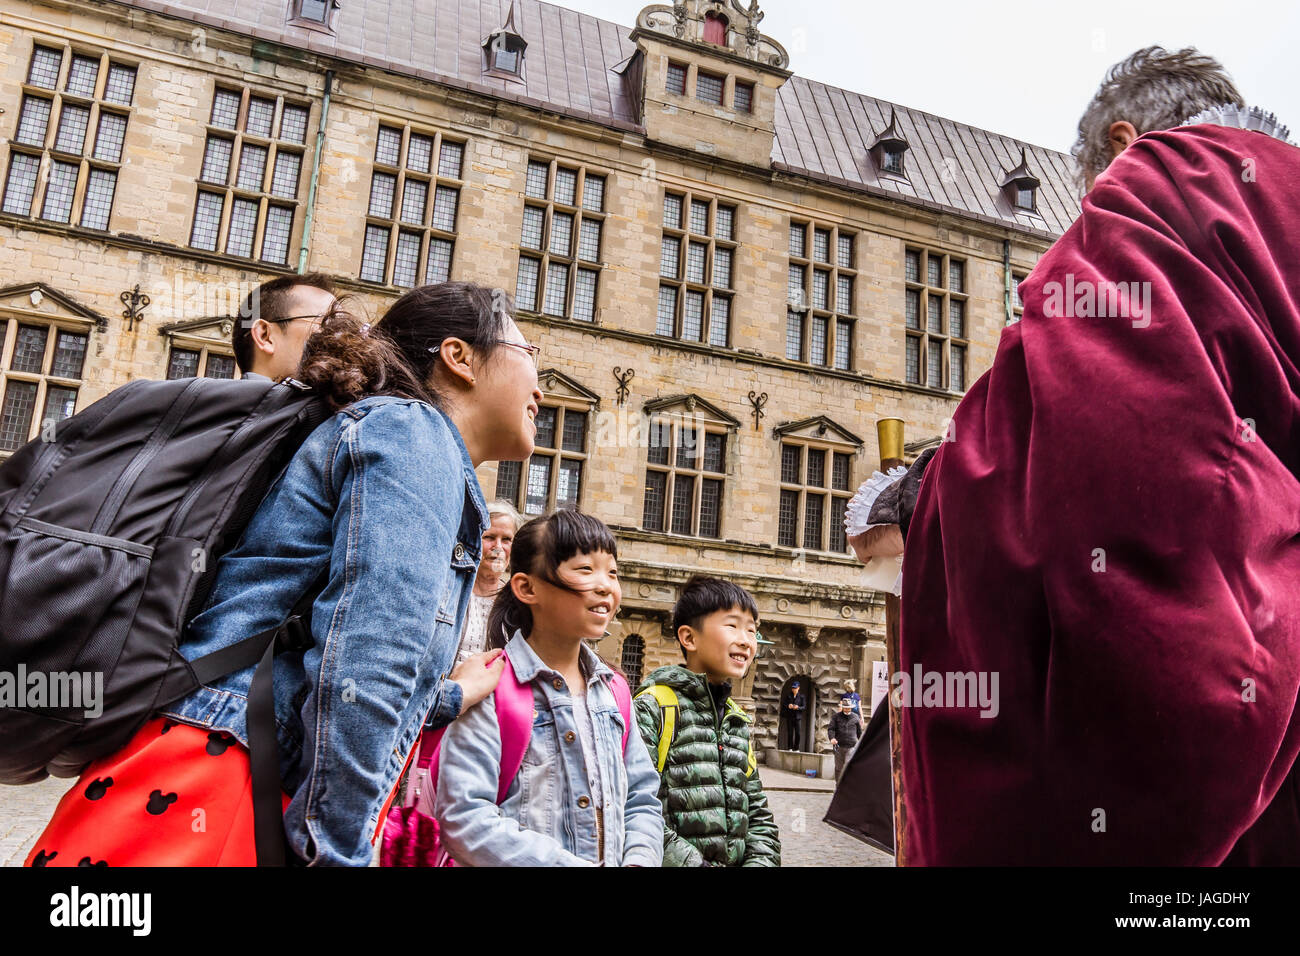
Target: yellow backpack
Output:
[(668, 708)]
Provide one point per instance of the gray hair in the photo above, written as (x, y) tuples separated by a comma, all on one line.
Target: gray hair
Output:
[(505, 509), (1152, 89)]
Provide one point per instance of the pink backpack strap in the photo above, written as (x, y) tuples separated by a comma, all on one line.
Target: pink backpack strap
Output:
[(623, 697), (515, 710)]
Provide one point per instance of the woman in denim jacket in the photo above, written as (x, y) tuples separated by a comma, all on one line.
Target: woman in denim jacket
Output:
[(382, 505), (579, 798)]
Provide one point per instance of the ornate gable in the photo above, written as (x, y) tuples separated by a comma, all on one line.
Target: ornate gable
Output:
[(692, 406), (556, 386), (39, 301), (819, 428), (212, 330)]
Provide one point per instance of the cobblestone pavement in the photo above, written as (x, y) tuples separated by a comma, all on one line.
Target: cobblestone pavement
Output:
[(24, 811), (805, 840)]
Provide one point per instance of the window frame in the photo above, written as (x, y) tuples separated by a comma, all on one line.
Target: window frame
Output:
[(805, 307), (686, 237), (48, 153), (544, 255), (675, 423), (395, 224), (232, 193), (206, 349), (830, 448), (563, 405), (942, 339), (44, 379)]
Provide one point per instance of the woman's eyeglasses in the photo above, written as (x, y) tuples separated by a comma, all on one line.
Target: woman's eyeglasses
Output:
[(534, 351)]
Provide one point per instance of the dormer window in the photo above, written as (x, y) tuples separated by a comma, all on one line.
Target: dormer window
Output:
[(317, 12), (890, 147), (744, 97), (504, 49), (715, 29), (1020, 186)]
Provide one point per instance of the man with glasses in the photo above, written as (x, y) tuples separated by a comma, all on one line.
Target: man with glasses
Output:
[(275, 322)]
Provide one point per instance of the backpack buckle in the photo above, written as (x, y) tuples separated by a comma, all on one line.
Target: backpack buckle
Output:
[(294, 635)]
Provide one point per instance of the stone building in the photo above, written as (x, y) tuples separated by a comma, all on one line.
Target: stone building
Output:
[(732, 271)]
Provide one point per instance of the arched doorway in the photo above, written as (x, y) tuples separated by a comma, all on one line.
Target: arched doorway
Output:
[(802, 731)]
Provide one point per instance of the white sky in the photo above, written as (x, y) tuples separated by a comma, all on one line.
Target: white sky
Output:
[(1025, 69)]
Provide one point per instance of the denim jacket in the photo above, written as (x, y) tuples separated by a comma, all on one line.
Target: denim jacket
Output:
[(383, 499), (548, 818)]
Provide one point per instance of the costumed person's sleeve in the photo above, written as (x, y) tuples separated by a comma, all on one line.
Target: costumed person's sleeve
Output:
[(677, 852), (763, 841), (1112, 531)]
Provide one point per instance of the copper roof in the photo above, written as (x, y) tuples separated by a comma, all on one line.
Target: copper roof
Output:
[(821, 131)]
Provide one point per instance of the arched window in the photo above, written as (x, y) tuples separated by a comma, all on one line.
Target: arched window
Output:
[(632, 659), (715, 29)]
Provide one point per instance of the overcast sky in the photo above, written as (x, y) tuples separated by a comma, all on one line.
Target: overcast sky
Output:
[(1025, 69)]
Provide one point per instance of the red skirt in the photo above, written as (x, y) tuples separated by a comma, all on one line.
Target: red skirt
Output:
[(175, 795)]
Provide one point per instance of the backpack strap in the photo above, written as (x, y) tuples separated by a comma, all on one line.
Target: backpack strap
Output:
[(751, 759), (622, 697), (668, 707), (515, 712)]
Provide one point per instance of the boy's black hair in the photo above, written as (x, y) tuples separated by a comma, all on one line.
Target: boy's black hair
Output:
[(702, 596)]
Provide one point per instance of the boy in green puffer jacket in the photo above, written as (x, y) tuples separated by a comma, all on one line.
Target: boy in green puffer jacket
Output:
[(715, 811)]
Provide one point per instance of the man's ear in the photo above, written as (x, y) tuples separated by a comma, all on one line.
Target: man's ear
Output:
[(524, 589), (260, 333), (686, 637), (457, 358), (1120, 135)]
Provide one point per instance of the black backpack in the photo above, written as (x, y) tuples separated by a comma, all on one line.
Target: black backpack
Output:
[(110, 535)]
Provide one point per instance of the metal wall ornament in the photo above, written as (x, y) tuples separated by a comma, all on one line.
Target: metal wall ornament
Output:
[(758, 401), (136, 302), (623, 378)]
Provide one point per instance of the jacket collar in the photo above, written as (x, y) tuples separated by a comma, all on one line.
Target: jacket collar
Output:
[(528, 666)]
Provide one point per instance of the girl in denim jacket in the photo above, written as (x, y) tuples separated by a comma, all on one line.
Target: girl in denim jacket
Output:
[(580, 798), (382, 506)]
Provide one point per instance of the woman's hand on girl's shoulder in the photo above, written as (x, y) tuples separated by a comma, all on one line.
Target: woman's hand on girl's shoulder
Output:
[(478, 676)]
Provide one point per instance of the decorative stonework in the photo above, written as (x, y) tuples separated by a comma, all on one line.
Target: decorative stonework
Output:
[(685, 20)]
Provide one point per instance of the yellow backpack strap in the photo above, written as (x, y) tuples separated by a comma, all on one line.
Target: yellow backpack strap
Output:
[(667, 700), (751, 760)]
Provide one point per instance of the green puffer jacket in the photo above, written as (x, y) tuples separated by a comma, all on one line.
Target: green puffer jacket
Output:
[(713, 814)]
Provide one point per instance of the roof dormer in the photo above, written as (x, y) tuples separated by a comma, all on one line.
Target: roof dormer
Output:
[(503, 50), (710, 78), (889, 149), (1020, 186)]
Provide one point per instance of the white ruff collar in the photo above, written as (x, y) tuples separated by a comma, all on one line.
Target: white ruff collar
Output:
[(1236, 117)]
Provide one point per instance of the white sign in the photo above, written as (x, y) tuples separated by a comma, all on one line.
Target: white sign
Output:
[(879, 683)]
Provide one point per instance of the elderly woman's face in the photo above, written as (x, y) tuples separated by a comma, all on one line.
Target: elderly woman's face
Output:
[(496, 545)]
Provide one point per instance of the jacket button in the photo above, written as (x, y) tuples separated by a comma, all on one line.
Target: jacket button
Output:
[(459, 552), (570, 737), (583, 803), (558, 683)]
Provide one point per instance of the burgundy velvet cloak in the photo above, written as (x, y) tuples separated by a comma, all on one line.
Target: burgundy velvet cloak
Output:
[(1147, 711)]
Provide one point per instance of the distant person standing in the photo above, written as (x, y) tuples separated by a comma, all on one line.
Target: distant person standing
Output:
[(844, 729), (794, 708)]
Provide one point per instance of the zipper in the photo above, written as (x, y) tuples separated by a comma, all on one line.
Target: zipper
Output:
[(166, 428)]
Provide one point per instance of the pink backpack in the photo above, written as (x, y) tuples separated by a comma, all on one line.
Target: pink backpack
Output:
[(411, 833)]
